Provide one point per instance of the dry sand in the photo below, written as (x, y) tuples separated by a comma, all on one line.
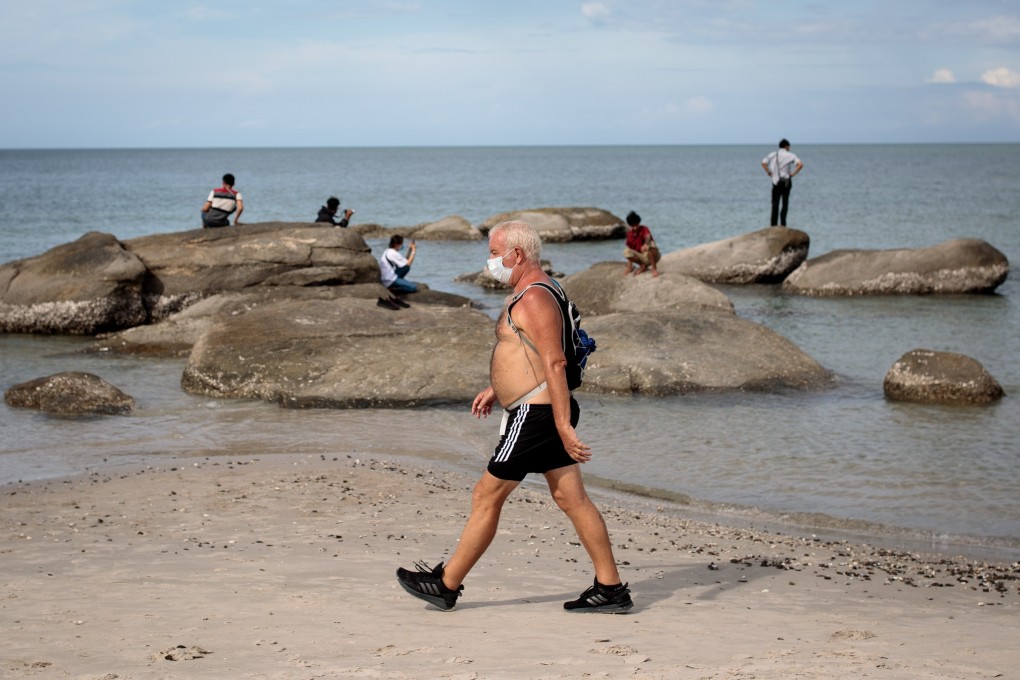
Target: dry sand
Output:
[(282, 567)]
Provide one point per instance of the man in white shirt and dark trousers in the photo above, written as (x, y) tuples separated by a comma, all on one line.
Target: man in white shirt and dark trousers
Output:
[(781, 166)]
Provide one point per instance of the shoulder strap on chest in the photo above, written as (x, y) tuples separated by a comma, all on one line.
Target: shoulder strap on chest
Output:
[(556, 291)]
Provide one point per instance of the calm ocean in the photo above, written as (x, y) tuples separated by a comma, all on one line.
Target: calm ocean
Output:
[(843, 460)]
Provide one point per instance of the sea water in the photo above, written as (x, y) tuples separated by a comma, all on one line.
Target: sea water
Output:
[(839, 459)]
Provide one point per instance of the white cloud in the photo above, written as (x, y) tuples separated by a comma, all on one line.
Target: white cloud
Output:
[(699, 105), (595, 11), (695, 106), (997, 29), (246, 84), (942, 75), (204, 13), (1001, 77), (403, 7), (987, 106)]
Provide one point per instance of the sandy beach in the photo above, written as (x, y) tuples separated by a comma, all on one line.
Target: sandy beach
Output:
[(283, 567)]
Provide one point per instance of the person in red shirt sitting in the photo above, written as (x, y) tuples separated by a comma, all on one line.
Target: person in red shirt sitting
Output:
[(641, 249)]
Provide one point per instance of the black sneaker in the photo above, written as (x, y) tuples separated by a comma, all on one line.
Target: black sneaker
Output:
[(383, 302), (600, 599), (427, 584), (399, 303)]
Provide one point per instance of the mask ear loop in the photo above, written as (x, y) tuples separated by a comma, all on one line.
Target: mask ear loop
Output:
[(513, 250)]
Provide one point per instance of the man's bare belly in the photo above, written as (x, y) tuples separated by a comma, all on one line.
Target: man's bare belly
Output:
[(515, 368)]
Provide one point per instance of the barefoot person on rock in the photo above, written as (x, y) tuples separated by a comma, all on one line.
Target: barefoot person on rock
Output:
[(641, 249)]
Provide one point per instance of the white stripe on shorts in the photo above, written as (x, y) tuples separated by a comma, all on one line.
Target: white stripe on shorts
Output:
[(511, 437)]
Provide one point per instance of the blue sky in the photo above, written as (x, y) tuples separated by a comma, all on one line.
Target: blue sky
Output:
[(148, 73)]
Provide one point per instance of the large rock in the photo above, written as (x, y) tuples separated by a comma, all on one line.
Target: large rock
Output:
[(957, 266), (349, 353), (70, 394), (450, 228), (345, 353), (603, 289), (926, 376), (88, 286), (175, 336), (690, 351), (564, 224), (764, 256), (98, 284), (187, 266)]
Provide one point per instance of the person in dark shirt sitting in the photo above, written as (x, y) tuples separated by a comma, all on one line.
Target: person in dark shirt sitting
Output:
[(327, 213)]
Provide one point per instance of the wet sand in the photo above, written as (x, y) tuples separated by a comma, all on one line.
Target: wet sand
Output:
[(282, 567)]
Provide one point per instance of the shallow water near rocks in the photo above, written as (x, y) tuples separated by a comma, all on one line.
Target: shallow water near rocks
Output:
[(840, 459)]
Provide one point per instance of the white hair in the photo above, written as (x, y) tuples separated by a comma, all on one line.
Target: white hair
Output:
[(521, 235)]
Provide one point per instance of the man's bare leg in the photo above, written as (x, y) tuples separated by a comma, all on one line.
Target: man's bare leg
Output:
[(486, 504), (567, 490)]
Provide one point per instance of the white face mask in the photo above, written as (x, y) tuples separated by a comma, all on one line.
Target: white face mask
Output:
[(500, 272)]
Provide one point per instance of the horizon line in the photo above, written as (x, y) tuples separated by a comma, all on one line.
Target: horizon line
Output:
[(488, 146)]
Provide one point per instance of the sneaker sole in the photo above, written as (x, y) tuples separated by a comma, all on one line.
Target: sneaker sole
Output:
[(433, 600), (603, 609)]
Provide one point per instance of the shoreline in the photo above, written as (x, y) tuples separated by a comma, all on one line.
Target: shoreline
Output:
[(473, 436), (805, 525), (281, 566), (832, 528)]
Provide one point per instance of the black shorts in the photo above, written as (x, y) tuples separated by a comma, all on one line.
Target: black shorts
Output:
[(531, 443)]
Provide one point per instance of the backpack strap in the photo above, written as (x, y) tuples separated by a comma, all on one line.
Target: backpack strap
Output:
[(542, 387), (556, 293), (560, 297)]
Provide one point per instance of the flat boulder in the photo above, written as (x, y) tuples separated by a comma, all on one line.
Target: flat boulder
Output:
[(930, 377), (80, 288), (449, 228), (344, 353), (71, 393), (175, 335), (676, 352), (184, 267), (603, 289), (558, 225), (964, 265), (764, 256)]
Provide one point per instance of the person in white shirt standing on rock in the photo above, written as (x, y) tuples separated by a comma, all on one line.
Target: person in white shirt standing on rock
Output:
[(781, 165)]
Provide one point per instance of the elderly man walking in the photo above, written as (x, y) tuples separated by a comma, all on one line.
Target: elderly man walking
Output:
[(527, 376)]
